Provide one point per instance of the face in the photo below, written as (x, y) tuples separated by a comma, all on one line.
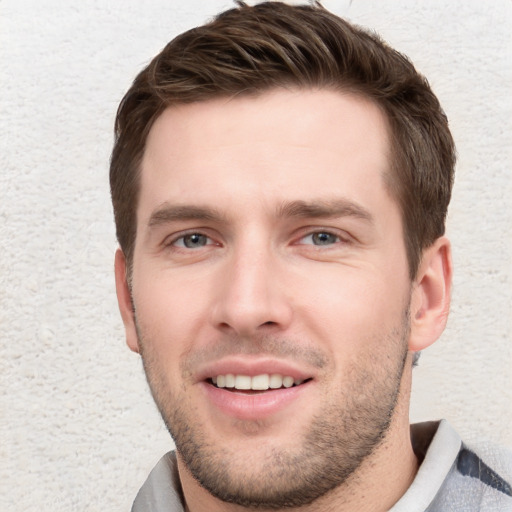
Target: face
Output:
[(271, 291)]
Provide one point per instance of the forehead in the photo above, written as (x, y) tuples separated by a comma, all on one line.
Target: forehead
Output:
[(280, 146)]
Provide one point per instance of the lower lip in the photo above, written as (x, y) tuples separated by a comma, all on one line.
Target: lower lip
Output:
[(252, 406)]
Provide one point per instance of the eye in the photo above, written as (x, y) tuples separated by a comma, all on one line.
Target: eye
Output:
[(320, 238), (192, 241)]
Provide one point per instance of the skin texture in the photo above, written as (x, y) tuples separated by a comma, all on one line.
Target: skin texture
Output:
[(266, 239)]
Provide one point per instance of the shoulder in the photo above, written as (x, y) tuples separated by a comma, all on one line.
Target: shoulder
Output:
[(457, 477), (479, 480), (162, 490), (490, 465)]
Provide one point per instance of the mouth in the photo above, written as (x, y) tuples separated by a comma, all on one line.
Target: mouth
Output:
[(255, 384), (255, 388)]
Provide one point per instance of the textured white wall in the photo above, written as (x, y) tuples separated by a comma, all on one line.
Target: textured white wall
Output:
[(79, 431)]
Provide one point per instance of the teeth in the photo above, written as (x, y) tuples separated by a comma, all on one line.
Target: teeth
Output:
[(276, 381), (260, 382), (288, 382), (243, 382), (257, 383)]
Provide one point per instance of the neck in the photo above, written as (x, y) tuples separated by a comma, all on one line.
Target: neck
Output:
[(378, 483)]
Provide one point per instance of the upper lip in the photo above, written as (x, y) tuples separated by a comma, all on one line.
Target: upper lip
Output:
[(251, 366)]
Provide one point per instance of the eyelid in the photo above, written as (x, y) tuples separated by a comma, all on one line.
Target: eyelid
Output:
[(335, 239), (180, 241), (170, 240), (343, 236)]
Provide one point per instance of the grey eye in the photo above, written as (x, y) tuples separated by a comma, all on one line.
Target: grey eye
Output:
[(323, 238), (194, 240)]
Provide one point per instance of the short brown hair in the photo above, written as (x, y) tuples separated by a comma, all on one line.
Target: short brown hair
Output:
[(250, 50)]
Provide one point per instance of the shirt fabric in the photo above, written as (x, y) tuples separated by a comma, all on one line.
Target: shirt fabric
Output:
[(452, 477)]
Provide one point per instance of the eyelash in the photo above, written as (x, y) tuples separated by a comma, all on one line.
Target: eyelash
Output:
[(339, 239), (172, 242)]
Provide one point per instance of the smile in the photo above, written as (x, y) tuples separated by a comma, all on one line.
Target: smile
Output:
[(261, 382), (254, 395)]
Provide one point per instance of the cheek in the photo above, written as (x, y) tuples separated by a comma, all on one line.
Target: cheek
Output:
[(350, 307), (170, 313), (338, 292)]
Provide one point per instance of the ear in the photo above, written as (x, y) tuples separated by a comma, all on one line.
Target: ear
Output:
[(430, 302), (124, 301)]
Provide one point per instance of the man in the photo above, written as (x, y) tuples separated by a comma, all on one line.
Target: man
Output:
[(280, 181)]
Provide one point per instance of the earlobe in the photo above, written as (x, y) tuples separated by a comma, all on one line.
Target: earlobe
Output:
[(430, 302), (124, 301)]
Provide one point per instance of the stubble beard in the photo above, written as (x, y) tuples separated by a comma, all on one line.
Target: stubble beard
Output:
[(349, 428)]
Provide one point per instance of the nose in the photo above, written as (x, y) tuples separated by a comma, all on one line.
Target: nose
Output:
[(251, 296)]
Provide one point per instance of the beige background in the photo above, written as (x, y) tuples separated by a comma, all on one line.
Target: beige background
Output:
[(79, 431)]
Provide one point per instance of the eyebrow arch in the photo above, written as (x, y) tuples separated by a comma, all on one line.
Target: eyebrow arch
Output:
[(325, 209), (166, 213)]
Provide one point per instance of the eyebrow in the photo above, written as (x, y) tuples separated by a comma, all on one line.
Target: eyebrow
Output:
[(171, 213), (305, 209), (325, 209)]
